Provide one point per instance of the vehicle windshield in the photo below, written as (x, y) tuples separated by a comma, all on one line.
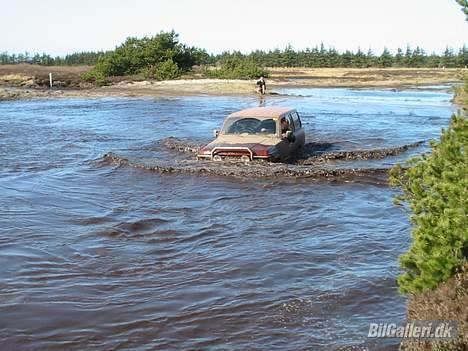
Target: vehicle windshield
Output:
[(249, 125)]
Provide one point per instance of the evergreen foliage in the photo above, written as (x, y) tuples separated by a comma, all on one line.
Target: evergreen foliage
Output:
[(135, 54), (435, 189), (96, 77), (75, 59), (162, 71), (237, 68), (163, 57), (464, 5), (159, 56), (318, 57)]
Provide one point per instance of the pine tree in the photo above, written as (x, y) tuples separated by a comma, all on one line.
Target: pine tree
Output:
[(449, 60), (462, 57), (398, 62), (386, 59), (435, 187), (360, 59), (408, 60), (464, 5), (370, 58), (289, 56), (419, 57)]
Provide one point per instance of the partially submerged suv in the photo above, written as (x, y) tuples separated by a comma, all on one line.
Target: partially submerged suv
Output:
[(272, 133)]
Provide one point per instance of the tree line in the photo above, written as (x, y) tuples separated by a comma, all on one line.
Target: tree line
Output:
[(86, 58), (319, 56)]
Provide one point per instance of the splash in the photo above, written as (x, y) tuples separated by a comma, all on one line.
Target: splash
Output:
[(180, 145), (311, 154), (311, 162), (236, 169)]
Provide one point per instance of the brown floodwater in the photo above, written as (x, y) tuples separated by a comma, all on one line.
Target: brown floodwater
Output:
[(113, 238)]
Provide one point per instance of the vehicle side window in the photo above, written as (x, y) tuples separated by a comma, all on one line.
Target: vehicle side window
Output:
[(297, 120), (292, 126)]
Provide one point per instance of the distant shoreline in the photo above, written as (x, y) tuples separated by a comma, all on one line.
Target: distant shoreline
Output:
[(30, 81)]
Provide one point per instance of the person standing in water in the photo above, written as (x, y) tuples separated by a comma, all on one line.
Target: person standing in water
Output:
[(261, 86)]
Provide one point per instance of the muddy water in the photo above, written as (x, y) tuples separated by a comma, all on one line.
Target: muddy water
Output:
[(99, 255)]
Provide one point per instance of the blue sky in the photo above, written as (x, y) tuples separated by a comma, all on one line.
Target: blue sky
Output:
[(64, 26)]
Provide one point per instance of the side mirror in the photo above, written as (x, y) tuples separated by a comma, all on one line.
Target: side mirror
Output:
[(215, 133)]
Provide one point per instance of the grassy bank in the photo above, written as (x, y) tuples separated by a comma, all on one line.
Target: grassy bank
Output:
[(35, 79), (365, 77), (36, 76), (461, 94)]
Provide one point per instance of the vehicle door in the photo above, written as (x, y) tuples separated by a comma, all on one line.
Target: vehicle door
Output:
[(293, 144), (284, 145), (299, 132)]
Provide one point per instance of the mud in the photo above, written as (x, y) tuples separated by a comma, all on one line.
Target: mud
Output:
[(308, 164), (248, 169), (312, 153), (180, 145)]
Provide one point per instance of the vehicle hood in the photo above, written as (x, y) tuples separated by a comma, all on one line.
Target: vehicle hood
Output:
[(246, 140)]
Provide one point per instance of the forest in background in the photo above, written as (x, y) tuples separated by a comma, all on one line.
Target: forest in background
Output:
[(318, 56)]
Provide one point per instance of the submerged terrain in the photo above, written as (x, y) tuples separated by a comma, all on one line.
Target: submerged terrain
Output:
[(113, 236)]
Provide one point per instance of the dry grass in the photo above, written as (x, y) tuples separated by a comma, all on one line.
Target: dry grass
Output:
[(448, 302), (363, 77), (461, 97), (36, 70), (22, 73), (69, 77)]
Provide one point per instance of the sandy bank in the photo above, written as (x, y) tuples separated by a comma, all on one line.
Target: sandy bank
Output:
[(134, 89)]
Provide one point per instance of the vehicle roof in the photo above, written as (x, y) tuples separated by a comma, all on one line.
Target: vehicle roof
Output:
[(271, 112)]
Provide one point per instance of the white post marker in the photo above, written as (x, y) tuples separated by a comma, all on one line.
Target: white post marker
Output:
[(50, 79)]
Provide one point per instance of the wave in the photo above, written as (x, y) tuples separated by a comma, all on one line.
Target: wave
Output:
[(312, 162), (236, 169), (312, 153)]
